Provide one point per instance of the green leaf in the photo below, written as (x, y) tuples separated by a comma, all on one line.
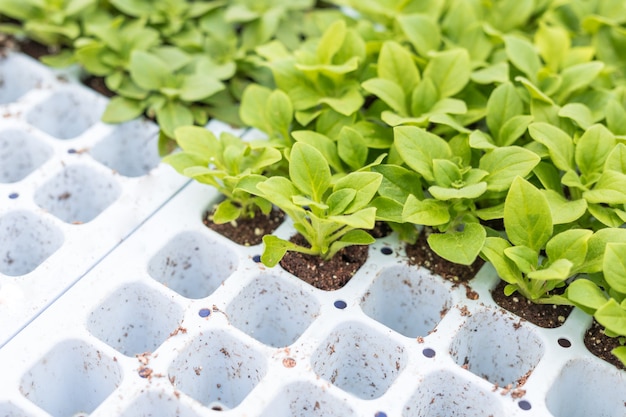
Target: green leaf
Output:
[(389, 92), (424, 97), (226, 212), (593, 149), (121, 109), (348, 103), (481, 140), (197, 141), (493, 74), (388, 210), (449, 71), (527, 218), (524, 257), (198, 87), (427, 212), (559, 270), (513, 129), (275, 249), (362, 219), (148, 71), (459, 247), (309, 171), (578, 113), (352, 148), (614, 266), (559, 143), (577, 77), (564, 211), (255, 97), (279, 111), (279, 191), (471, 192), (612, 316), (331, 42), (493, 250), (571, 245), (322, 143), (616, 160), (504, 164), (585, 295), (610, 189), (597, 246), (396, 64), (339, 201), (398, 182), (620, 353), (364, 183), (353, 237), (616, 117), (173, 115), (553, 43), (419, 147), (423, 32), (523, 55), (504, 103)]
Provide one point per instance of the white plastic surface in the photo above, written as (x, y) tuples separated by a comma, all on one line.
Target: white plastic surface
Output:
[(133, 336)]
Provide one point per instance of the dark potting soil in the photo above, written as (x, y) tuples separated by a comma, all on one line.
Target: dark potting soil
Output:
[(247, 232), (380, 230), (421, 254), (543, 315), (35, 49), (326, 275), (601, 345), (97, 84)]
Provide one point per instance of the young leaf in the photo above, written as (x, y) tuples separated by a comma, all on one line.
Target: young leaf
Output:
[(614, 266), (559, 270), (559, 144), (364, 183), (225, 212), (563, 210), (389, 92), (527, 218), (422, 31), (597, 246), (571, 245), (504, 103), (585, 295), (523, 55), (504, 164), (418, 148), (449, 70), (148, 71), (593, 149), (578, 76), (121, 109), (460, 247), (612, 316), (427, 212), (396, 64), (275, 249), (524, 257), (493, 250), (309, 171)]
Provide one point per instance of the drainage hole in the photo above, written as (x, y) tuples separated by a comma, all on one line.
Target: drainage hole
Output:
[(380, 414), (13, 196), (204, 312), (524, 405), (340, 304), (386, 250), (256, 258), (563, 342), (429, 353)]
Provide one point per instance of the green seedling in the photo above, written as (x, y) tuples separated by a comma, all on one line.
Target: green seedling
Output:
[(330, 215), (228, 164)]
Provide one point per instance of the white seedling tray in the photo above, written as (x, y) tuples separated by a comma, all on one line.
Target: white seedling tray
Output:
[(180, 321), (71, 187)]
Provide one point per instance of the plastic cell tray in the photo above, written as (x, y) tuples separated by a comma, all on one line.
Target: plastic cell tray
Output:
[(71, 187), (178, 320)]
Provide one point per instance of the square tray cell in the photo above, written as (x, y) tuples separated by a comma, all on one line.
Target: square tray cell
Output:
[(303, 399), (20, 154), (192, 265), (67, 113), (78, 194), (359, 360), (217, 370), (135, 319), (73, 378), (587, 388), (444, 393), (274, 320), (156, 403), (131, 149), (19, 75), (26, 241), (497, 347), (407, 300)]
